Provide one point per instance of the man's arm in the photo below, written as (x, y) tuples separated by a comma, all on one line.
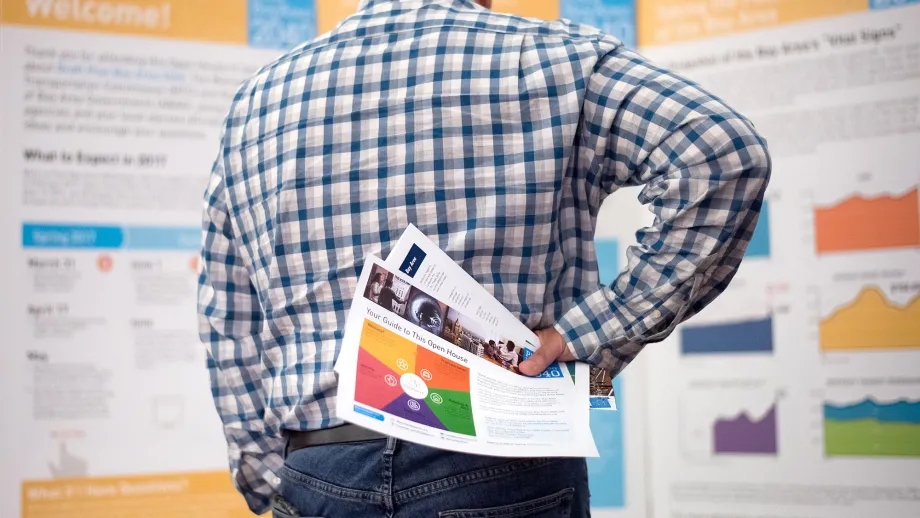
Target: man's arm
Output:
[(704, 170), (230, 322)]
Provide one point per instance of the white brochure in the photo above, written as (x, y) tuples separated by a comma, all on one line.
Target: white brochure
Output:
[(440, 371), (418, 256)]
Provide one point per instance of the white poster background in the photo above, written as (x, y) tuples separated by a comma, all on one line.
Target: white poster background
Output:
[(842, 122)]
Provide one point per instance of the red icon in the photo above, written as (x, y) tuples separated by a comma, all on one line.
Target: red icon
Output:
[(104, 263)]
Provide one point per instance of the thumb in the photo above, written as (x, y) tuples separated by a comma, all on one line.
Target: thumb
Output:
[(544, 356)]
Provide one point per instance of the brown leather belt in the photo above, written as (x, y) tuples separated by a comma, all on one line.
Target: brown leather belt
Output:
[(336, 435)]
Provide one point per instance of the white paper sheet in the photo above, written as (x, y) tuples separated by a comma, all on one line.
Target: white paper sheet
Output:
[(444, 278), (441, 372)]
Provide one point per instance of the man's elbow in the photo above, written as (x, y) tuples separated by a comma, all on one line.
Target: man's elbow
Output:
[(755, 164), (761, 163)]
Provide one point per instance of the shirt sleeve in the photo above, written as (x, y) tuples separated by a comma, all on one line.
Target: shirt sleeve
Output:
[(703, 169), (230, 323)]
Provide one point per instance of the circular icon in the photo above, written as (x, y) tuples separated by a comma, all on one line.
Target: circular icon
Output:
[(414, 386), (390, 380), (426, 375), (436, 399), (402, 364), (104, 263), (413, 405)]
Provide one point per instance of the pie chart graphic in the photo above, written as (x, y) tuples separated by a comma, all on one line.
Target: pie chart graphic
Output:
[(400, 378)]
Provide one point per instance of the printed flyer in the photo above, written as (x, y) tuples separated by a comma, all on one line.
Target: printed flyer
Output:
[(443, 373), (414, 247)]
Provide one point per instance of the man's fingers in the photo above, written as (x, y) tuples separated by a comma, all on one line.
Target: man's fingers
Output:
[(537, 363), (558, 343), (551, 347)]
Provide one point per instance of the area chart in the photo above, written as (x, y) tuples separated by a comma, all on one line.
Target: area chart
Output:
[(400, 378), (872, 322), (859, 223), (743, 434), (872, 429), (746, 336)]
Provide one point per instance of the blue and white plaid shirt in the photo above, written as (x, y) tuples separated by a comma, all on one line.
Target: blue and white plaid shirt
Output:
[(497, 136)]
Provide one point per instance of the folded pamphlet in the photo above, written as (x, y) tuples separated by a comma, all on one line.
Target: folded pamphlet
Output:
[(429, 356), (417, 256)]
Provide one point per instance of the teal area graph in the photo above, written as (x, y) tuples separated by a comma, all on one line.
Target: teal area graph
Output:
[(872, 429), (760, 241)]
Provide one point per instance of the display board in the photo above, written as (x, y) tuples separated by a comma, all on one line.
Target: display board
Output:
[(110, 121), (108, 130), (797, 393), (618, 479)]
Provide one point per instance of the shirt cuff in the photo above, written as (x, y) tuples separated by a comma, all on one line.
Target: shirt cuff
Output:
[(589, 327)]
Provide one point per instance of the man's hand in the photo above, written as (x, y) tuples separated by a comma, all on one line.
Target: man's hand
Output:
[(552, 348)]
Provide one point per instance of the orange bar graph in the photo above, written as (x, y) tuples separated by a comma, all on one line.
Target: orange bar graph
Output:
[(869, 224), (872, 322)]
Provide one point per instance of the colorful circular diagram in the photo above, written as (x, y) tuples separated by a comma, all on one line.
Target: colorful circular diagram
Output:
[(413, 385), (432, 391)]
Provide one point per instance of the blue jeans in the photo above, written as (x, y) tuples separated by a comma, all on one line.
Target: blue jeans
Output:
[(397, 479)]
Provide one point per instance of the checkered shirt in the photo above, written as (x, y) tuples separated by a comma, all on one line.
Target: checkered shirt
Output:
[(499, 137)]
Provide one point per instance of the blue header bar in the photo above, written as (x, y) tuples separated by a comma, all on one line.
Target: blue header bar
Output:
[(62, 236)]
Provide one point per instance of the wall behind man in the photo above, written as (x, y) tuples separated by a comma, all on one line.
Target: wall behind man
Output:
[(796, 393), (109, 126), (110, 121), (793, 395)]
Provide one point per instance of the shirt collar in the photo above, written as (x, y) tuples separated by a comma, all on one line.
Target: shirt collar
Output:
[(462, 4)]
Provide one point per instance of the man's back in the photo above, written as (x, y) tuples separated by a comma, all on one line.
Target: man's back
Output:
[(452, 121), (498, 137)]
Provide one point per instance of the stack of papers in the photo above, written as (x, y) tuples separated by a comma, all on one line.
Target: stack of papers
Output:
[(430, 356)]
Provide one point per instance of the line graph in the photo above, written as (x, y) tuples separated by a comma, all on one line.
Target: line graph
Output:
[(860, 223)]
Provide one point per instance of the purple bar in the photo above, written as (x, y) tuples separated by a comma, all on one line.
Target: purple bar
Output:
[(741, 435)]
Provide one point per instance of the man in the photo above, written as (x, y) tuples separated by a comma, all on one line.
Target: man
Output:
[(499, 137), (510, 356), (390, 300)]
